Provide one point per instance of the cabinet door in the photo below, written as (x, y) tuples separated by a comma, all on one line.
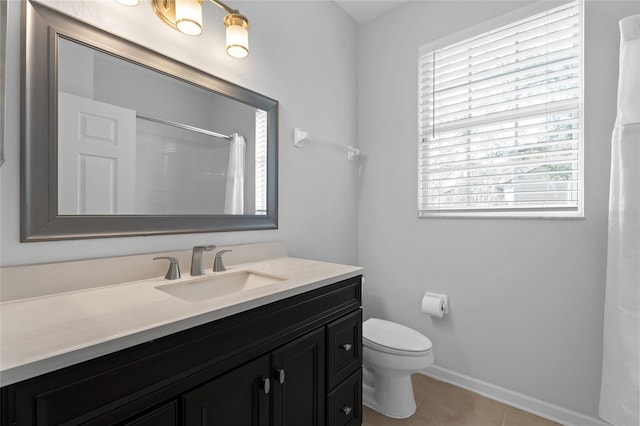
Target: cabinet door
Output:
[(239, 398), (299, 377)]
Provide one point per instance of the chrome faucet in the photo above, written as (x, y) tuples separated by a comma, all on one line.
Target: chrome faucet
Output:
[(218, 266), (197, 267)]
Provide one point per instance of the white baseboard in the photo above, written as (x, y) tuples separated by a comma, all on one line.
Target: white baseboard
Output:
[(514, 399)]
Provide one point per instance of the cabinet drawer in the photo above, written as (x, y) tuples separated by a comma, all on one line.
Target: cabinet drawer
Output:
[(344, 347), (344, 403)]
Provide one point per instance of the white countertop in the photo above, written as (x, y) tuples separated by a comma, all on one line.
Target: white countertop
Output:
[(43, 334)]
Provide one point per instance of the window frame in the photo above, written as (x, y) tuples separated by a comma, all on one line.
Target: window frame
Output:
[(510, 213)]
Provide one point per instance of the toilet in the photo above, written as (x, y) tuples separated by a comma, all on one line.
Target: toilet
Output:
[(391, 353)]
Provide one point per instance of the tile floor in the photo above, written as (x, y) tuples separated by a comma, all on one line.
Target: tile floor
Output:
[(442, 404)]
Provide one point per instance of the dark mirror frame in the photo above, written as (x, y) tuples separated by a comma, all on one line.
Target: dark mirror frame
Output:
[(41, 29)]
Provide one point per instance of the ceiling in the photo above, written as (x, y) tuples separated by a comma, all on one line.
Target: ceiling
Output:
[(363, 11)]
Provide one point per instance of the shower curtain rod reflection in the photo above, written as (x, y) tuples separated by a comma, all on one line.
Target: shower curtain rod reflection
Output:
[(184, 126)]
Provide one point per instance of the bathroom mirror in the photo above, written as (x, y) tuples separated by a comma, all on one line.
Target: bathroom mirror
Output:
[(119, 140)]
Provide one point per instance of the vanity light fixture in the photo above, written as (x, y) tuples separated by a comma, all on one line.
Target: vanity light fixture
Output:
[(186, 17)]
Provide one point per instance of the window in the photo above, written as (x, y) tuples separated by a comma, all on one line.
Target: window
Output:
[(500, 121), (261, 162)]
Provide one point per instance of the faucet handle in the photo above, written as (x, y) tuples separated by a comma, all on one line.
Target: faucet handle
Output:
[(218, 266), (174, 268)]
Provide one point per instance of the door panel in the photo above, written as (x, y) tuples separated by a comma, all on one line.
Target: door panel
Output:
[(96, 157), (299, 400), (238, 398)]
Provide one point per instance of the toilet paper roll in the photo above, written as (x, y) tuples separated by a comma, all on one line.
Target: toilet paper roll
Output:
[(434, 304)]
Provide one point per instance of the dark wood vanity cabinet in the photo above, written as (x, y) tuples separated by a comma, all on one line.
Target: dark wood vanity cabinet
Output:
[(293, 362)]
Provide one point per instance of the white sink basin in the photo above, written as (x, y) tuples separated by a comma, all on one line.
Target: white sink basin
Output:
[(207, 288)]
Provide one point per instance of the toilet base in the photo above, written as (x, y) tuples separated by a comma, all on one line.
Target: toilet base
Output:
[(390, 396)]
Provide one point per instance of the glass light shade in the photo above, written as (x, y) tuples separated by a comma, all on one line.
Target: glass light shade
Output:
[(237, 38), (189, 17), (128, 2)]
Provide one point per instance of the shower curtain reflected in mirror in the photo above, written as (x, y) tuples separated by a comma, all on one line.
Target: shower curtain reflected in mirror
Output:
[(234, 199), (620, 394)]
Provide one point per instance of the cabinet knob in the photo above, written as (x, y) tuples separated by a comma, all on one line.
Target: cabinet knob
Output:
[(346, 410), (346, 347), (281, 375), (266, 385)]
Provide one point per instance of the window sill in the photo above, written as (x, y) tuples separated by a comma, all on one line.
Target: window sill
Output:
[(500, 215)]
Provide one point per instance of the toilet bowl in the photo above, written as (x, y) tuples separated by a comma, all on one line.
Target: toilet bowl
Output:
[(391, 353)]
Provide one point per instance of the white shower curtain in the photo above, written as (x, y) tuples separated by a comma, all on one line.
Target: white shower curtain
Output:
[(234, 198), (619, 394)]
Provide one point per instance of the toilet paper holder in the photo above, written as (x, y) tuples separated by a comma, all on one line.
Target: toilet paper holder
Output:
[(443, 297)]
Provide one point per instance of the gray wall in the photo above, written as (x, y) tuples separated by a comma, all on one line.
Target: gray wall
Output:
[(526, 295), (308, 65)]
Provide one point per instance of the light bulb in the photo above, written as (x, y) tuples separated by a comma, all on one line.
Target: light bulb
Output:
[(189, 17), (237, 35)]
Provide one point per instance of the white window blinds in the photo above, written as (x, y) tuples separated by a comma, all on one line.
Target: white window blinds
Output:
[(261, 162), (499, 119)]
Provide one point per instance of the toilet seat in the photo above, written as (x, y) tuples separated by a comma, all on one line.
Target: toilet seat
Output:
[(393, 338)]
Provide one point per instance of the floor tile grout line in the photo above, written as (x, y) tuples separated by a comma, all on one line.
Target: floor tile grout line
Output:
[(431, 391), (504, 416), (424, 400), (433, 386)]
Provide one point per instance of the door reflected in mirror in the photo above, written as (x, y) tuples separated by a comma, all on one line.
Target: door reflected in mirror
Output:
[(124, 150)]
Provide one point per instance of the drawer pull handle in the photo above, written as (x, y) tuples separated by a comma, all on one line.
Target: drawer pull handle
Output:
[(346, 347), (281, 376), (346, 410), (266, 385)]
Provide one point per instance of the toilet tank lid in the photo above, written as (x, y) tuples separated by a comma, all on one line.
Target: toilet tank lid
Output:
[(394, 336)]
